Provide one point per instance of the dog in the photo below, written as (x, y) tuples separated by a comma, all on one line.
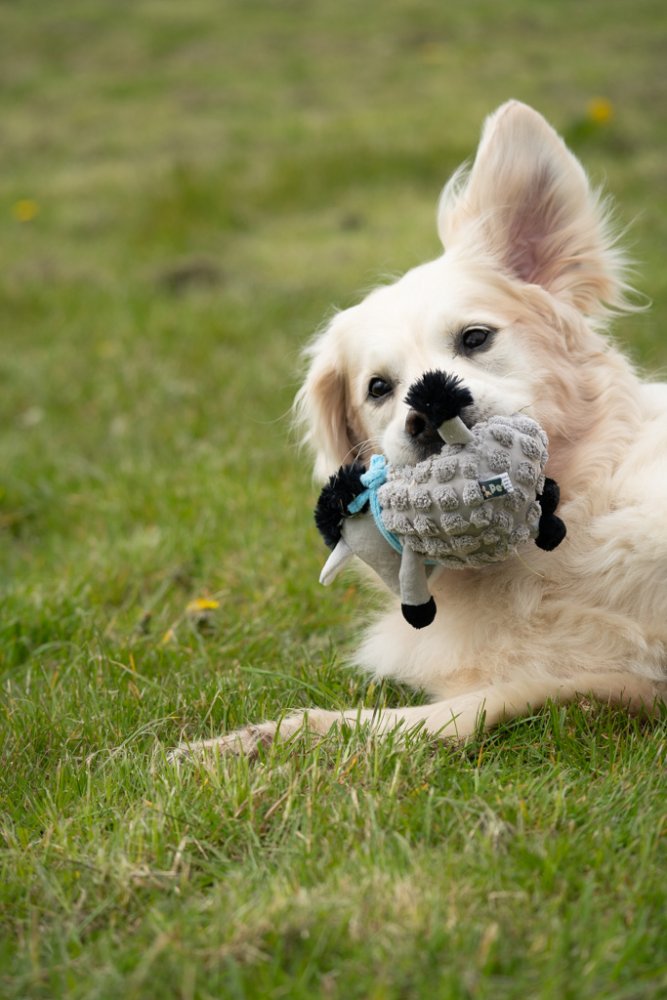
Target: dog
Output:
[(518, 307)]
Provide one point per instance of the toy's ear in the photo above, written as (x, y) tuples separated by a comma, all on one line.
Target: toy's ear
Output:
[(322, 406), (338, 559), (527, 202)]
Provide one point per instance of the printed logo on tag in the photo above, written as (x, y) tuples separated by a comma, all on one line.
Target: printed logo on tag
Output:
[(498, 486)]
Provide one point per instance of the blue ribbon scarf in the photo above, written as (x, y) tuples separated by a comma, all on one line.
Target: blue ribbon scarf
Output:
[(373, 479)]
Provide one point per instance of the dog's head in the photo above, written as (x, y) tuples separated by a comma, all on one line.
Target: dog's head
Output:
[(513, 306)]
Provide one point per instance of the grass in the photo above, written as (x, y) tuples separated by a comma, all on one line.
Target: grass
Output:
[(185, 191)]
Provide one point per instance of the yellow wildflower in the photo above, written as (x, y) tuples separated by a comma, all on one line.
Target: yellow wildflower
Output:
[(25, 209), (202, 604), (600, 110)]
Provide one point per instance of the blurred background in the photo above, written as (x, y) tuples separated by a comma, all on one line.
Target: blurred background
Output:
[(186, 192)]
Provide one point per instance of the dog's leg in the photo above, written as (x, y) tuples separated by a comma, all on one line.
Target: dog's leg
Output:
[(462, 715), (455, 718)]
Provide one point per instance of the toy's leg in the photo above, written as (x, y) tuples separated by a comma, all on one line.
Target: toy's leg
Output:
[(454, 718), (417, 604)]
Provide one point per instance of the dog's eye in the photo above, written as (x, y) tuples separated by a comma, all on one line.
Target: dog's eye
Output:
[(379, 387), (475, 337)]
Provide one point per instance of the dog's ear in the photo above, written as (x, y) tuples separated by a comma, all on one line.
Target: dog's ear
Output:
[(527, 202), (322, 405)]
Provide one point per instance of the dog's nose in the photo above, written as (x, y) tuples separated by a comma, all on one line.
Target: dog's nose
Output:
[(416, 424), (422, 433), (421, 430)]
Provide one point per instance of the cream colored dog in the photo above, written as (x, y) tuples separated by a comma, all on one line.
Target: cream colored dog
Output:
[(517, 306)]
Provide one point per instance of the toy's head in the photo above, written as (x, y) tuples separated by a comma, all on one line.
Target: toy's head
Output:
[(333, 506)]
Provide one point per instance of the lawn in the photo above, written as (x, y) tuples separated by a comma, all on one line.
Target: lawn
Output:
[(186, 191)]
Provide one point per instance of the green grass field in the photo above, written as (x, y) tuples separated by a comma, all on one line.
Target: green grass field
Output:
[(186, 190)]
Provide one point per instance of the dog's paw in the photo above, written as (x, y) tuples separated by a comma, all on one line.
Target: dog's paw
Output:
[(245, 742)]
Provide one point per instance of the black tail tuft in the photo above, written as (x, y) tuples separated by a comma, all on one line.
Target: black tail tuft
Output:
[(550, 497), (331, 509), (552, 530), (438, 396)]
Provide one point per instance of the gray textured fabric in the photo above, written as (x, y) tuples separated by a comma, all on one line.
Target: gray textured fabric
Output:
[(456, 508), (468, 506)]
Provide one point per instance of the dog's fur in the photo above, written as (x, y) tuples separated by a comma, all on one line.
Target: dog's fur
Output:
[(530, 255)]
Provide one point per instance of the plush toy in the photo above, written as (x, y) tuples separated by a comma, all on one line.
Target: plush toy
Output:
[(471, 504)]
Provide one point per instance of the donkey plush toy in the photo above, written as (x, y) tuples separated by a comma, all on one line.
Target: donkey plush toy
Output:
[(472, 504)]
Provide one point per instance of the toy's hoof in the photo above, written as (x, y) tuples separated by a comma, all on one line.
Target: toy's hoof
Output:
[(552, 532), (419, 615)]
